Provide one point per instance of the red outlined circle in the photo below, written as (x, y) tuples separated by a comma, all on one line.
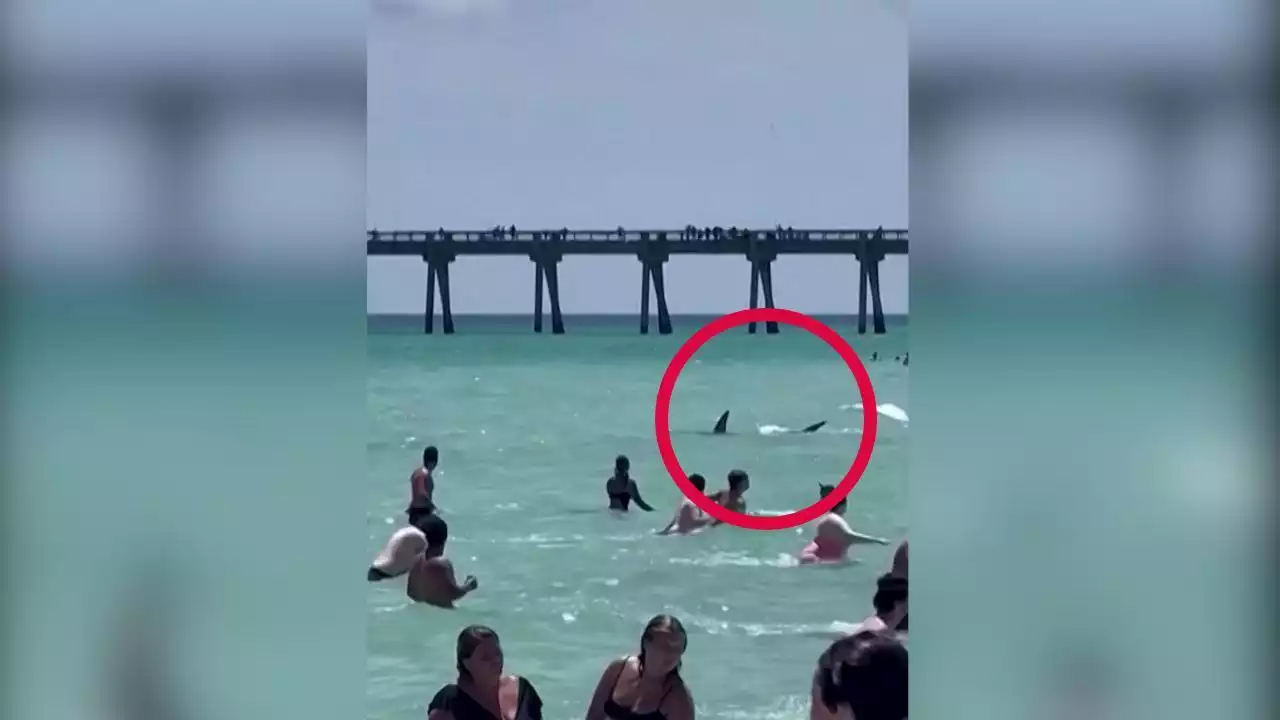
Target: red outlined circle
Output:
[(662, 419)]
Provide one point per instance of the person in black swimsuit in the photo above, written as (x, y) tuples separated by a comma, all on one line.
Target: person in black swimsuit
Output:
[(647, 686), (482, 691), (622, 489)]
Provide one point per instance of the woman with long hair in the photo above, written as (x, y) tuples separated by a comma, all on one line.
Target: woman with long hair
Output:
[(482, 691), (646, 686), (861, 677), (622, 489)]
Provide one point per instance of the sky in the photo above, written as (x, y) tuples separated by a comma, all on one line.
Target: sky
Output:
[(641, 114)]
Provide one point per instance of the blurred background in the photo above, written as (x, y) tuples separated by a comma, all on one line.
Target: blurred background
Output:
[(1092, 218), (183, 391), (183, 382)]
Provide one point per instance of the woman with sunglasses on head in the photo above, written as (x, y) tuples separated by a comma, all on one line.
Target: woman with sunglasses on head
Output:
[(482, 691), (647, 686)]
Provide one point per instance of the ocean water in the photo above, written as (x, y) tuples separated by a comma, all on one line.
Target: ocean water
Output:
[(528, 427)]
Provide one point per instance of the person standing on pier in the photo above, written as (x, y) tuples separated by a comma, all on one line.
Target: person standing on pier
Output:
[(422, 486)]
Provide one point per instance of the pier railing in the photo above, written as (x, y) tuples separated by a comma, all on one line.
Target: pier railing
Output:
[(630, 236)]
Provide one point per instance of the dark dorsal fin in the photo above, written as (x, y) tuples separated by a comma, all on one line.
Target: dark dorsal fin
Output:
[(722, 424), (814, 427)]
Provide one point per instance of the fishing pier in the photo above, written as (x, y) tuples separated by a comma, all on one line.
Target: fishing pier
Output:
[(653, 248)]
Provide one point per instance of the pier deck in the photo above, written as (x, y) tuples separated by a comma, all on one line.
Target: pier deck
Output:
[(653, 248)]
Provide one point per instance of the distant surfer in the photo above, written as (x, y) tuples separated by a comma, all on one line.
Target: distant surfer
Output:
[(722, 425), (688, 518), (732, 497), (622, 490), (432, 580), (832, 536), (422, 486)]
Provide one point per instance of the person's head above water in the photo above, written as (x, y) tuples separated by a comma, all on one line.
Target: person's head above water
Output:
[(738, 481), (479, 656), (890, 600), (868, 673), (662, 645), (430, 457), (436, 531), (825, 490), (698, 481), (621, 465)]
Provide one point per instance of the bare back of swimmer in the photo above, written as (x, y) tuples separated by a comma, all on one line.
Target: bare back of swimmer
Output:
[(403, 550), (733, 498), (422, 485), (688, 518), (833, 537), (432, 580)]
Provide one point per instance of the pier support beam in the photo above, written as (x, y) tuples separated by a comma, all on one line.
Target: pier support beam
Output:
[(553, 294), (430, 319), (652, 270), (537, 296), (862, 297), (869, 256), (660, 294), (762, 275), (653, 256), (644, 298), (877, 310), (545, 268), (438, 271)]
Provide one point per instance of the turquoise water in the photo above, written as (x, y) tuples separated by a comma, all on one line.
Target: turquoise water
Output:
[(528, 426)]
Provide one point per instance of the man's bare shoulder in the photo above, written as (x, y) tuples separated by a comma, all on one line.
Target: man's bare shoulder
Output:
[(437, 563)]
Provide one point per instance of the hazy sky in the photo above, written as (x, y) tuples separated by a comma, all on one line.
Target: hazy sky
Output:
[(640, 113)]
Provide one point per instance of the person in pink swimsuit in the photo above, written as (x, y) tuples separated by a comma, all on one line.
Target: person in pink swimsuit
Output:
[(832, 536)]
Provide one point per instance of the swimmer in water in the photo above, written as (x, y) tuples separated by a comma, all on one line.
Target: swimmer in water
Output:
[(833, 537), (402, 551), (861, 677), (688, 518), (890, 603), (622, 489), (733, 497), (431, 580), (649, 680), (422, 486)]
